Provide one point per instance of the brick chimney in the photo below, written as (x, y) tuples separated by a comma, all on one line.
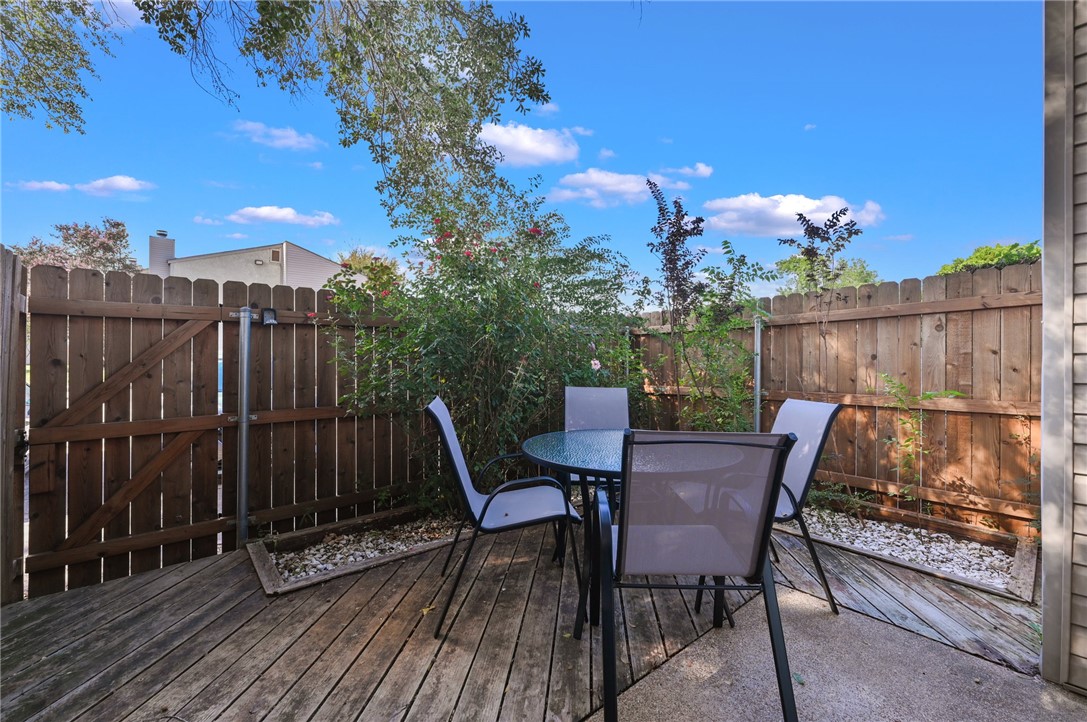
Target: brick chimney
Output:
[(160, 251)]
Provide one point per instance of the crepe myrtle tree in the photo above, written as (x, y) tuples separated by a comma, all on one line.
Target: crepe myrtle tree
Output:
[(81, 245), (495, 320), (704, 307)]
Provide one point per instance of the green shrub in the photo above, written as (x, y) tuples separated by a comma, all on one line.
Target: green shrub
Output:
[(994, 256), (495, 323)]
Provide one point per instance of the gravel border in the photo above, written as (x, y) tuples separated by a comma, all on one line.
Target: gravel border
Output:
[(938, 551)]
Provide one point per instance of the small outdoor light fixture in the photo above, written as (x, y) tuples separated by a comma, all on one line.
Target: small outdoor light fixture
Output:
[(268, 317)]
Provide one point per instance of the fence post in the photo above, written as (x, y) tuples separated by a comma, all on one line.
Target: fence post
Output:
[(13, 411), (758, 372), (244, 323)]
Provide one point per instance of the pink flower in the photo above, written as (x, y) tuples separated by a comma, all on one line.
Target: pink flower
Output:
[(535, 284), (447, 234), (468, 253), (345, 265), (535, 231), (311, 315), (595, 364), (437, 221), (386, 293), (494, 250)]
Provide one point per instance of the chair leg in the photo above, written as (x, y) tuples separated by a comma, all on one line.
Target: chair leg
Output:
[(453, 546), (698, 595), (815, 562), (721, 611), (777, 643), (592, 561), (607, 643), (773, 550), (456, 581)]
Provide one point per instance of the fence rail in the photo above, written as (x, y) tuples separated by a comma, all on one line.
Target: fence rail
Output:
[(133, 430)]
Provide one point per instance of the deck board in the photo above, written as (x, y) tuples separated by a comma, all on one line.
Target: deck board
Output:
[(200, 640)]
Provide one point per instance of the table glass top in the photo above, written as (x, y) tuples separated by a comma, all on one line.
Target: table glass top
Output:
[(588, 451)]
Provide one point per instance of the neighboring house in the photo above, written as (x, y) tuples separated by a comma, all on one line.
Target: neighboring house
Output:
[(280, 264), (1064, 349)]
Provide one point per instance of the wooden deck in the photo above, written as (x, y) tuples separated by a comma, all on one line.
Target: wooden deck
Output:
[(201, 641)]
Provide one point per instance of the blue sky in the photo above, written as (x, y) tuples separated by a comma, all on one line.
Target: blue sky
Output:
[(923, 117)]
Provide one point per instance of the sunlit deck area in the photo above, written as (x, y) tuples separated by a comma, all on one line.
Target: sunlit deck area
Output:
[(201, 640)]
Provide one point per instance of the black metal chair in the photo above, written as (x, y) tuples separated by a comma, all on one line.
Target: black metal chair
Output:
[(512, 505), (594, 407), (811, 422), (693, 503)]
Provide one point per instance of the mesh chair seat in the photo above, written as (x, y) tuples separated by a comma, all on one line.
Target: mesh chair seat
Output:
[(522, 507)]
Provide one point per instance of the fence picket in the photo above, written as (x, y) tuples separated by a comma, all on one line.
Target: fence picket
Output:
[(48, 394), (85, 369), (205, 401), (283, 387), (118, 352)]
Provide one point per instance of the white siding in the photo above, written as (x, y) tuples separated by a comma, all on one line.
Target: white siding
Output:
[(231, 266), (305, 269)]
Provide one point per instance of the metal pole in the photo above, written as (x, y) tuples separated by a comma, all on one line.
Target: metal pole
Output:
[(244, 323), (758, 371)]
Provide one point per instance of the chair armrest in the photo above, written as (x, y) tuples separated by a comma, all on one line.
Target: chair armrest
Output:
[(606, 555), (492, 462), (792, 500)]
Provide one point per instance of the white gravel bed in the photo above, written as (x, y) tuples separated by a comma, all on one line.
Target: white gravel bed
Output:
[(968, 559), (336, 550)]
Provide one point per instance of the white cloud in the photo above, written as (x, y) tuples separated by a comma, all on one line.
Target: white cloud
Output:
[(700, 170), (222, 184), (52, 186), (206, 221), (578, 130), (523, 145), (899, 237), (751, 214), (548, 108), (605, 153), (870, 214), (603, 188), (287, 138), (236, 236), (114, 184), (809, 126), (276, 214)]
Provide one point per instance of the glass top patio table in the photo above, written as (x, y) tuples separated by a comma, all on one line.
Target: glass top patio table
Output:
[(586, 452)]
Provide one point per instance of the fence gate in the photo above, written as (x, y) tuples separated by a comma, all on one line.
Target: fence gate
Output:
[(132, 425)]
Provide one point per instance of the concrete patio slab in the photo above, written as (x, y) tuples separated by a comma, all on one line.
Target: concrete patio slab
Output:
[(849, 667)]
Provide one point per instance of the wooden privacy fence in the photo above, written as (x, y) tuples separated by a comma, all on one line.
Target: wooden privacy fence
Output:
[(133, 458), (976, 333)]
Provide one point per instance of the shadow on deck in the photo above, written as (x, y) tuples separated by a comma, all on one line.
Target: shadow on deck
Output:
[(201, 641)]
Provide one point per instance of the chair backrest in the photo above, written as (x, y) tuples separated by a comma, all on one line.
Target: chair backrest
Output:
[(473, 500), (592, 407), (811, 422), (698, 502)]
